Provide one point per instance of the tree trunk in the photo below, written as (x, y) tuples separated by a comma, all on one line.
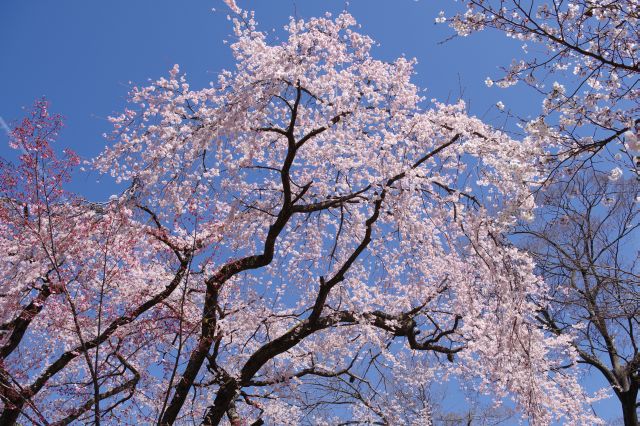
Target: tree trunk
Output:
[(9, 417), (224, 398), (629, 410)]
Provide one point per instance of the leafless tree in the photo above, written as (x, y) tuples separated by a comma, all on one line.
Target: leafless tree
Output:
[(586, 244)]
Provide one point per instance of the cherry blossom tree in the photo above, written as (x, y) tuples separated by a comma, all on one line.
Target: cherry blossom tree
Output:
[(74, 276), (307, 240)]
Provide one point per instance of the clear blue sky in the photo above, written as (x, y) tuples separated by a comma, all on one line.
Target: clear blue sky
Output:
[(82, 55)]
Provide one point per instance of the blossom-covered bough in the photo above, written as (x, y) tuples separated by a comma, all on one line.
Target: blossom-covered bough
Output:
[(301, 242), (582, 56)]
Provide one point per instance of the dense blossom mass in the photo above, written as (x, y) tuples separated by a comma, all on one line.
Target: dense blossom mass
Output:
[(307, 240)]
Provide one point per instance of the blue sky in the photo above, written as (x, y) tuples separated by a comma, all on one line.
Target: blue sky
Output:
[(82, 55)]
